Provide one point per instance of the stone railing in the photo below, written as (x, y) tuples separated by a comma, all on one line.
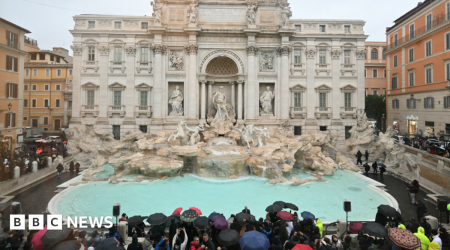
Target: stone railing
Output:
[(116, 109), (298, 112), (323, 111), (143, 111), (348, 68), (90, 65), (89, 109), (143, 65), (348, 111), (117, 65)]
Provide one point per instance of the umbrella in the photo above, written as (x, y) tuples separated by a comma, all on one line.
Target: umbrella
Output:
[(254, 240), (374, 229), (274, 208), (306, 215), (196, 210), (136, 220), (67, 245), (291, 206), (36, 241), (387, 210), (110, 243), (51, 238), (176, 217), (220, 222), (285, 215), (381, 165), (241, 216), (201, 222), (228, 237), (403, 238), (280, 203), (177, 211), (189, 215), (302, 247), (156, 219), (212, 215)]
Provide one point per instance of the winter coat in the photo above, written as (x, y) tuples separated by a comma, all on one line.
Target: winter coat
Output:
[(208, 244), (159, 244), (335, 247), (194, 246), (135, 246), (60, 167), (375, 166), (421, 209), (319, 224), (367, 167), (445, 240), (183, 245), (427, 228), (434, 246), (284, 236), (423, 239), (268, 234)]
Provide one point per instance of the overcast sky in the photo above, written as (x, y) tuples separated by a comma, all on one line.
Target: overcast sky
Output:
[(50, 20)]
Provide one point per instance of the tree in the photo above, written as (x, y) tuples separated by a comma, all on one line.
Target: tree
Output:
[(375, 108)]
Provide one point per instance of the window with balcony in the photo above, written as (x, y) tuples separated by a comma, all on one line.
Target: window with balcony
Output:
[(374, 54), (144, 54), (348, 100), (91, 24), (429, 22), (375, 73), (91, 53), (118, 54), (411, 79), (117, 100), (347, 57), (297, 56), (298, 28), (395, 61), (143, 99), (411, 31), (144, 25), (429, 75), (428, 50), (298, 100), (394, 82), (395, 39), (322, 100), (411, 54), (322, 56), (90, 97), (384, 54)]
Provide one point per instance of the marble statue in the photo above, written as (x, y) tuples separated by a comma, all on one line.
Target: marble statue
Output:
[(266, 102), (180, 134), (194, 137), (266, 61), (176, 100), (157, 10), (176, 61), (192, 14), (247, 135), (220, 103), (286, 14), (262, 136), (251, 13)]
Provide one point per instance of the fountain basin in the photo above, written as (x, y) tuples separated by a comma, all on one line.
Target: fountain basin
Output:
[(223, 161)]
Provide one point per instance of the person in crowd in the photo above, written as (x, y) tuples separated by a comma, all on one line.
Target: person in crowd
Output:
[(276, 244), (445, 237), (246, 210), (421, 209), (267, 230), (446, 154), (426, 226), (375, 167), (382, 170), (366, 154), (367, 168), (59, 170), (123, 218), (425, 242), (435, 238), (112, 233), (194, 245), (77, 168), (336, 243), (172, 230), (82, 238), (163, 244), (358, 156), (135, 245), (207, 242), (413, 190), (178, 242), (71, 168), (97, 238)]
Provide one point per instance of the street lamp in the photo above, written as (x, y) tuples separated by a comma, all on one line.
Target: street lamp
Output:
[(9, 106)]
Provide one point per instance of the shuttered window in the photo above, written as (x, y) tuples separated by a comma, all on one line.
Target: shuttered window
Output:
[(395, 104), (446, 102), (394, 83), (428, 103), (10, 120), (12, 90), (429, 75), (12, 63), (12, 39), (447, 41), (411, 79), (411, 103)]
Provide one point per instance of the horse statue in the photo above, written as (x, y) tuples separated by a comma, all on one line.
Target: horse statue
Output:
[(263, 135), (180, 134), (195, 134), (247, 135)]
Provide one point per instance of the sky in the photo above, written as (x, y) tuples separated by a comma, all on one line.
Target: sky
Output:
[(50, 20)]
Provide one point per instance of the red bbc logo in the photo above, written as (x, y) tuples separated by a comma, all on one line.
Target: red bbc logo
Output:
[(36, 222)]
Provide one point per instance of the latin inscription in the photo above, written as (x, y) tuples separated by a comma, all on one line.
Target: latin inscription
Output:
[(218, 39), (175, 39), (176, 15), (268, 40), (267, 16), (222, 15)]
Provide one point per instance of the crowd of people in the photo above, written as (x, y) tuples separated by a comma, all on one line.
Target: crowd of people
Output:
[(431, 145)]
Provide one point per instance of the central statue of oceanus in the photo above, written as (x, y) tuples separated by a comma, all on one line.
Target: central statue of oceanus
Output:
[(221, 110)]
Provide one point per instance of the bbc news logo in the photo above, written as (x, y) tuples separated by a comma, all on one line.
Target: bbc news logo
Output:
[(55, 222)]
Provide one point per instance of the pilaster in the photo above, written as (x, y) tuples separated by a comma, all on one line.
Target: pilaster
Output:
[(76, 81), (252, 102)]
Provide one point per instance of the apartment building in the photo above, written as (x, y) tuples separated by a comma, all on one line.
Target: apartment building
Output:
[(375, 69)]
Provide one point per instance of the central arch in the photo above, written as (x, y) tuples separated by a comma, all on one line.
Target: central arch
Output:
[(224, 58)]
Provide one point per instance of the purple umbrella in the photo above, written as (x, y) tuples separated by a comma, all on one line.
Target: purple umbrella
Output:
[(220, 223)]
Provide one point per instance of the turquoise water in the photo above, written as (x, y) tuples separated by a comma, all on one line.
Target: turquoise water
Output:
[(323, 199), (109, 170)]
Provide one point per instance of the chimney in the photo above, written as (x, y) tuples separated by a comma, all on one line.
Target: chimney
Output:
[(419, 3)]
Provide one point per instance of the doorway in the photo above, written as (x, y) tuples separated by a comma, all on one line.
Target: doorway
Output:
[(57, 124), (116, 132), (34, 123)]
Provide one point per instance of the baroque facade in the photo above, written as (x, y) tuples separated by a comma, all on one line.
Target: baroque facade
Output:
[(150, 73)]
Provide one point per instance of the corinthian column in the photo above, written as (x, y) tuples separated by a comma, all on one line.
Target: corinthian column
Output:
[(158, 49), (192, 113), (284, 84), (251, 104), (239, 106), (76, 94), (203, 101)]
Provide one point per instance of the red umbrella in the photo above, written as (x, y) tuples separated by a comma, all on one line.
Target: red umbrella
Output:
[(177, 211), (285, 215), (36, 241), (196, 210), (302, 247)]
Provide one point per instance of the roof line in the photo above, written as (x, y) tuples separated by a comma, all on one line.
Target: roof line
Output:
[(14, 25)]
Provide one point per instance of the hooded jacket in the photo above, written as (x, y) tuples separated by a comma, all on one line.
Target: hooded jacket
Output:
[(434, 246), (402, 226), (319, 224), (423, 239)]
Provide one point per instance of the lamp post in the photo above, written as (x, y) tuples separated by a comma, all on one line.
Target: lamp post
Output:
[(383, 123), (9, 106)]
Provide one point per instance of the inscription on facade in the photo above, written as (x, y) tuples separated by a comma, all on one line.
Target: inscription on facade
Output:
[(222, 15), (218, 39), (175, 39), (267, 17), (268, 40), (176, 15)]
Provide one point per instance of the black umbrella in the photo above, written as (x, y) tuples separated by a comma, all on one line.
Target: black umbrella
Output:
[(228, 237), (374, 229), (68, 245), (201, 222), (273, 208), (51, 238), (156, 219), (175, 217), (189, 215), (291, 206), (109, 244), (136, 220), (387, 210), (241, 216), (280, 203)]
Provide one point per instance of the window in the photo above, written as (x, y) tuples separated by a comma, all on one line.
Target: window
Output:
[(297, 130), (34, 123), (12, 63), (27, 72), (323, 128), (347, 58), (117, 54), (298, 28), (446, 102), (375, 73), (25, 103), (90, 97), (58, 59), (144, 25), (395, 39), (12, 39), (394, 82), (347, 29), (322, 100), (70, 72), (144, 54), (321, 28), (57, 103), (448, 15), (46, 87), (411, 31), (365, 72), (91, 53), (116, 132), (47, 72), (45, 120), (10, 120), (429, 75), (11, 90), (348, 100), (384, 73), (58, 72), (46, 103), (52, 58), (384, 54), (34, 103), (297, 56), (347, 132), (411, 54), (411, 103), (118, 25), (297, 100), (57, 87), (33, 56), (143, 128), (375, 92), (428, 103), (322, 57), (25, 118), (411, 79), (447, 41), (117, 98), (429, 22), (447, 66), (34, 87), (35, 72), (91, 24), (428, 48), (395, 61), (25, 87), (42, 56), (395, 104), (70, 104), (144, 99), (374, 55)]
